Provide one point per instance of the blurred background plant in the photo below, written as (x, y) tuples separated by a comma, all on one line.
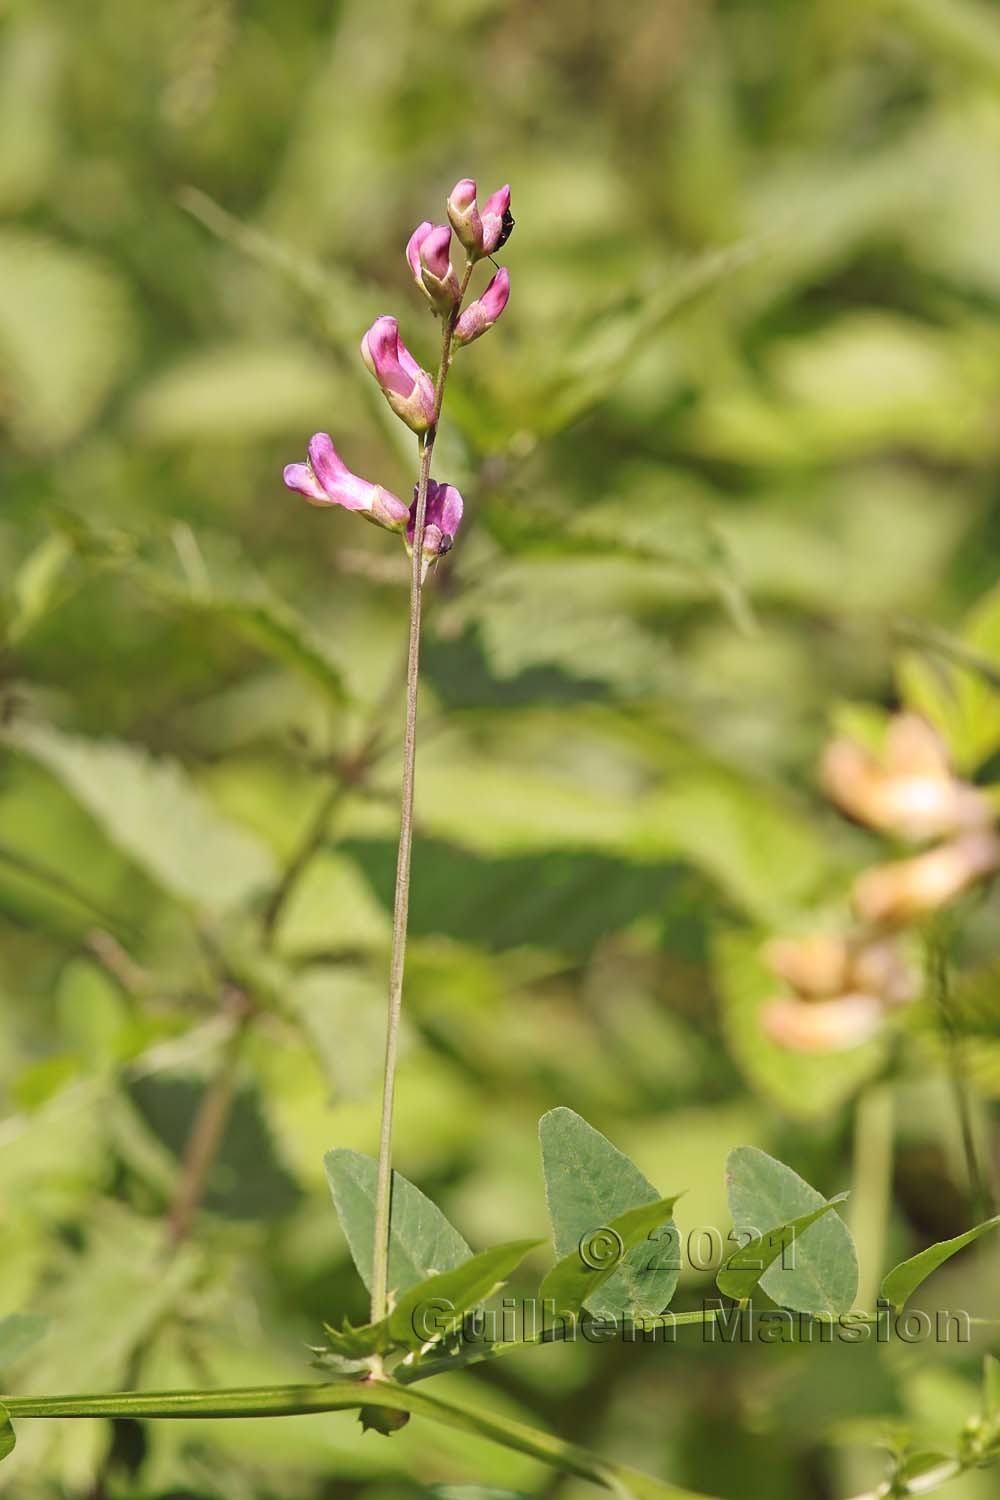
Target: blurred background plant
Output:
[(731, 485)]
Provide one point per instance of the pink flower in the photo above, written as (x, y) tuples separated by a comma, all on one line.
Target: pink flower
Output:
[(823, 1025), (483, 313), (906, 890), (427, 252), (911, 791), (481, 231), (326, 480), (408, 389), (442, 518)]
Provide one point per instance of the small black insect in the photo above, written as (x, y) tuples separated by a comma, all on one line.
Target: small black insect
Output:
[(506, 229), (446, 543)]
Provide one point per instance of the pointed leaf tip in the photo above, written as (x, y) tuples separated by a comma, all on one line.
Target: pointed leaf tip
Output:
[(902, 1281)]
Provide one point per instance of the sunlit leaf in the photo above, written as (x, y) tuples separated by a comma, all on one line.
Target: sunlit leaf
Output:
[(422, 1243), (150, 809), (64, 335), (588, 1183), (764, 1192), (743, 1270), (574, 1280)]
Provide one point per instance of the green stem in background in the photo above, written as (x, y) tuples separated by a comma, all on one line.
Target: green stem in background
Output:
[(872, 1192), (980, 1188), (401, 903), (940, 643), (207, 1128)]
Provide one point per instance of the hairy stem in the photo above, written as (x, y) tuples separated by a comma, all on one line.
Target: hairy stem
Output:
[(401, 903)]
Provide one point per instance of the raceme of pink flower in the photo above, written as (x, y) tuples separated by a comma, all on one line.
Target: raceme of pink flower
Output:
[(442, 518), (326, 480), (481, 231), (428, 254), (408, 389), (483, 313)]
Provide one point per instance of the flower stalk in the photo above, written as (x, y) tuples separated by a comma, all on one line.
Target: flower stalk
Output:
[(428, 528), (401, 901)]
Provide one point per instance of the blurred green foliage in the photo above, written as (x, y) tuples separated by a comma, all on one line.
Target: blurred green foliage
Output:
[(731, 466)]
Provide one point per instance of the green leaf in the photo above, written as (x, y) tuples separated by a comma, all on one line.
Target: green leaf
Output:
[(763, 1192), (953, 681), (17, 1335), (743, 1270), (573, 1281), (282, 634), (110, 1299), (422, 1243), (65, 329), (434, 1308), (7, 1439), (35, 583), (155, 815), (932, 1468), (455, 1292), (902, 1281), (596, 356), (217, 581), (222, 392), (588, 1182)]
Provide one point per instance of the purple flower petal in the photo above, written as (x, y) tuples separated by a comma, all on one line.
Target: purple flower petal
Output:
[(301, 478), (442, 518), (413, 245), (387, 358), (435, 251)]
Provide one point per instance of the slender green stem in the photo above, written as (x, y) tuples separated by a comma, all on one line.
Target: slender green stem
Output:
[(980, 1187), (401, 904), (286, 1401), (869, 1212)]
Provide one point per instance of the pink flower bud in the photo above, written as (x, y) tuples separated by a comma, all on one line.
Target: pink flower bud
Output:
[(408, 389), (442, 518), (483, 313), (326, 480), (464, 216), (497, 220), (427, 253), (481, 234)]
